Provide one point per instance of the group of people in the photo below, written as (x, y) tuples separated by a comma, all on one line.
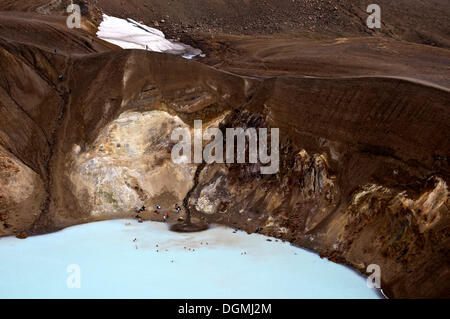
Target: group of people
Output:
[(157, 211)]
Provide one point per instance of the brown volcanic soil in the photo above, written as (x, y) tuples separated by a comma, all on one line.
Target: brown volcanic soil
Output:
[(364, 124), (342, 57), (415, 21)]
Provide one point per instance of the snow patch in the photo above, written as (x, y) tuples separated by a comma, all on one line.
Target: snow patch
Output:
[(129, 34)]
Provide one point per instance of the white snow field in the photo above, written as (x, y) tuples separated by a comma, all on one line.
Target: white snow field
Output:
[(129, 34), (162, 264)]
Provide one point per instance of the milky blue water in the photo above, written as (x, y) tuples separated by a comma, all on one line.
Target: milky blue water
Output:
[(125, 259)]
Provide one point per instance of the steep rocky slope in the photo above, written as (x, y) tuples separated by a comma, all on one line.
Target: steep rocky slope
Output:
[(364, 172), (354, 183)]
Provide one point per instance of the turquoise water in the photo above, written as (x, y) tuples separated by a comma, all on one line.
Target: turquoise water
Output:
[(108, 263)]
